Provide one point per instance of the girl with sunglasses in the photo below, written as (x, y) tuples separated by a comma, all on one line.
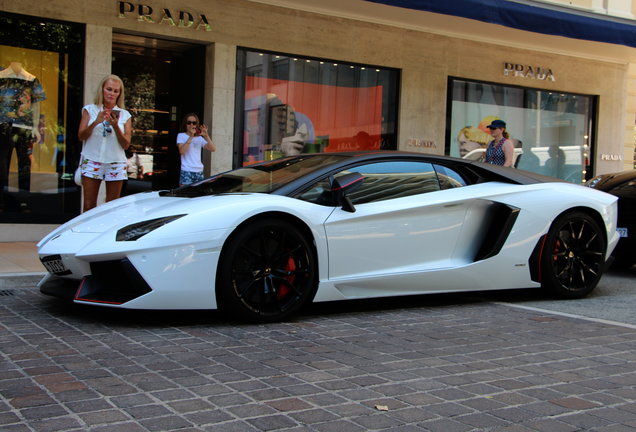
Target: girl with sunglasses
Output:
[(192, 138)]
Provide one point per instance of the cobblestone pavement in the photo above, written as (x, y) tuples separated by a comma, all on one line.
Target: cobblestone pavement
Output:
[(431, 363)]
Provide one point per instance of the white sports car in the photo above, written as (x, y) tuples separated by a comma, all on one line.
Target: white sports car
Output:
[(261, 241)]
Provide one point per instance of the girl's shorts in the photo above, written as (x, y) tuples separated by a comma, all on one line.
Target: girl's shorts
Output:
[(189, 177), (109, 171)]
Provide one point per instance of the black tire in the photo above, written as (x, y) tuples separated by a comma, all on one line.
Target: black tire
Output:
[(267, 272), (573, 257)]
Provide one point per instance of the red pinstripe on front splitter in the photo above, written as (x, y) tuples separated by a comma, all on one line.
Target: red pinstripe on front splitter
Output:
[(91, 301)]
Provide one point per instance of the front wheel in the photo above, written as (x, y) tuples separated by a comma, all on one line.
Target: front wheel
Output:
[(267, 272), (573, 256)]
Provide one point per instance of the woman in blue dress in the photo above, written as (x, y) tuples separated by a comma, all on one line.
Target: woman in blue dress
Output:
[(501, 150)]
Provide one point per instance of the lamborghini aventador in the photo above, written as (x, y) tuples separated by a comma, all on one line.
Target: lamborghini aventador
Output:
[(261, 241)]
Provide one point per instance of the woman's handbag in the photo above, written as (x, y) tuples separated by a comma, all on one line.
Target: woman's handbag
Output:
[(77, 177)]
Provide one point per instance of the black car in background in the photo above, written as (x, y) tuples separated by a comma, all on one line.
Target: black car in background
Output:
[(622, 185)]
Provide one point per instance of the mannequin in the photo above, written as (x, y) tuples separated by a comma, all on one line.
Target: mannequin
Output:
[(20, 97)]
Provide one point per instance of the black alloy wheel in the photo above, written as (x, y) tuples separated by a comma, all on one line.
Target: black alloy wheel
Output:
[(267, 272), (573, 257)]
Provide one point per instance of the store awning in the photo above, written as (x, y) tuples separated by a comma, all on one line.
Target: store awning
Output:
[(539, 19)]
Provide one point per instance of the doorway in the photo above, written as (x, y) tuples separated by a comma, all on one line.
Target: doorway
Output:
[(164, 80)]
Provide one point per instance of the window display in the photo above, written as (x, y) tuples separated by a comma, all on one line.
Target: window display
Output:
[(551, 131), (292, 105), (36, 161)]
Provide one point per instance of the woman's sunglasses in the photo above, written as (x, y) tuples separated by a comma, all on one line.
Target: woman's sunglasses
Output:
[(189, 122)]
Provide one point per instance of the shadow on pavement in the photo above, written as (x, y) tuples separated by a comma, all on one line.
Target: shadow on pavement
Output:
[(614, 285)]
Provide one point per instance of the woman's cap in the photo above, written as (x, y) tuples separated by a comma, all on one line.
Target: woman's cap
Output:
[(495, 124)]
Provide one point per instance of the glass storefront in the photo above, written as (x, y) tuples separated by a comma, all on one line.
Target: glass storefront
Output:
[(552, 131), (164, 80), (289, 105), (41, 66), (285, 105)]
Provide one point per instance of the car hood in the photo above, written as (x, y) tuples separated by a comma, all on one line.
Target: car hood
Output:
[(201, 214), (610, 181), (213, 211), (129, 210)]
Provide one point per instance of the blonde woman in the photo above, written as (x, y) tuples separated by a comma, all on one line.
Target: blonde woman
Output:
[(106, 129)]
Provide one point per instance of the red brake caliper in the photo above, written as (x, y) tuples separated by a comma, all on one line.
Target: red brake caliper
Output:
[(284, 289), (556, 247)]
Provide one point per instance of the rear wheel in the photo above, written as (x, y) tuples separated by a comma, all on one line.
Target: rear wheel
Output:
[(267, 272), (573, 256)]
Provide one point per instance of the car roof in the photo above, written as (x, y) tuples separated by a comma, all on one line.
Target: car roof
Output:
[(474, 172), (485, 169)]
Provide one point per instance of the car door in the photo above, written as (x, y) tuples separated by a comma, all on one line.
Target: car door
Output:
[(406, 220)]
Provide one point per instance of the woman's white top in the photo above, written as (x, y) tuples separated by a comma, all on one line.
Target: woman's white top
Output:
[(191, 161), (102, 145)]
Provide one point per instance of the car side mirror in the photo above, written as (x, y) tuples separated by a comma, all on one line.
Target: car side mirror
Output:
[(344, 185)]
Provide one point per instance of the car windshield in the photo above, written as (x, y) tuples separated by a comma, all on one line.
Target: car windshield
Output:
[(264, 177)]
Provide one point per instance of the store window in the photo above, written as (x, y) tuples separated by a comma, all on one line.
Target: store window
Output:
[(289, 105), (552, 131), (41, 63)]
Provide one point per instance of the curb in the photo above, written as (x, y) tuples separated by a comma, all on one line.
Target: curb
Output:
[(20, 280)]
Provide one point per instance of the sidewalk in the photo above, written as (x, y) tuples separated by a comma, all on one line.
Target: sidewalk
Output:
[(19, 258)]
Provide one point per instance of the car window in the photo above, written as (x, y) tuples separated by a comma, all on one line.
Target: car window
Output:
[(382, 181), (265, 177), (318, 193), (448, 178)]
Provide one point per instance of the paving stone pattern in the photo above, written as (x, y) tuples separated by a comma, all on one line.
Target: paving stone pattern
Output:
[(436, 363)]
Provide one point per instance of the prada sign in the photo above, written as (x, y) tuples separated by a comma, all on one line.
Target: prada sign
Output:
[(526, 71), (145, 13), (420, 143), (611, 157)]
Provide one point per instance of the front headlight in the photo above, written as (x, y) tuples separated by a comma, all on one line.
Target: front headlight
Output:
[(137, 230), (593, 182)]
